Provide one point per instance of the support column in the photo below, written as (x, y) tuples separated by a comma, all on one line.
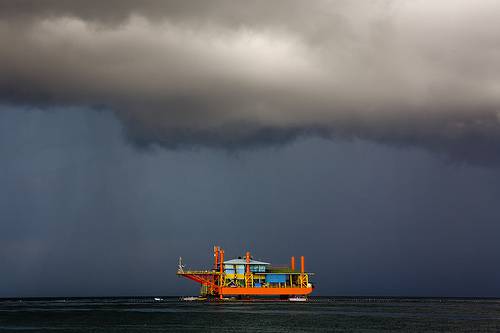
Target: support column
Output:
[(303, 280), (248, 274), (221, 276)]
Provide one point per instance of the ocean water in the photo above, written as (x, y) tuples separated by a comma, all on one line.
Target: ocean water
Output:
[(325, 314)]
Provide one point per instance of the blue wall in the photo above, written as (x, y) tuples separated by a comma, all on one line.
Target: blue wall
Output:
[(276, 278)]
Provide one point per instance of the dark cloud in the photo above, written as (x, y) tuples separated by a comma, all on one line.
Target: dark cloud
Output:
[(234, 73)]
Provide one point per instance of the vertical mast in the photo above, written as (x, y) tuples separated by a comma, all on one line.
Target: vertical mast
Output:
[(216, 257), (247, 257)]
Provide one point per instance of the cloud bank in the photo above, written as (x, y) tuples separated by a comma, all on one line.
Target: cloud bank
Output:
[(237, 73)]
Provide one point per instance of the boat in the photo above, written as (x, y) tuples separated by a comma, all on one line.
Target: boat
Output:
[(192, 298), (298, 299), (247, 278)]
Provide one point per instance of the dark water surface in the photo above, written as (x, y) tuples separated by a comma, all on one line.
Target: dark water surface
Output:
[(317, 315)]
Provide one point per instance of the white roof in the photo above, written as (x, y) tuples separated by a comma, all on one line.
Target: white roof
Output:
[(243, 262)]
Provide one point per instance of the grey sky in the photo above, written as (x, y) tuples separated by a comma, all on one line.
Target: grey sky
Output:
[(85, 213), (362, 134)]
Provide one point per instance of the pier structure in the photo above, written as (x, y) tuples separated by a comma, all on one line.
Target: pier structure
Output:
[(246, 277)]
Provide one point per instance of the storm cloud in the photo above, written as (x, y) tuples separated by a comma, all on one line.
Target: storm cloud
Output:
[(237, 73)]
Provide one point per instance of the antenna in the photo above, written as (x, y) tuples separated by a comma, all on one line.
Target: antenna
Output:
[(181, 266)]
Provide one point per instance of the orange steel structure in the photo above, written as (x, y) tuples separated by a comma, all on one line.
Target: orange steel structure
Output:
[(248, 277)]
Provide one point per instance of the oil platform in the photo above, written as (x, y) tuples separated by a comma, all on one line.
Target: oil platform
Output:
[(246, 278)]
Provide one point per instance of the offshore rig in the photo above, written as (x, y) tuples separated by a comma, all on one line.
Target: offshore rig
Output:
[(245, 278)]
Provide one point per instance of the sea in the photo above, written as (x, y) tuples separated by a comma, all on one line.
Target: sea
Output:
[(318, 314)]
